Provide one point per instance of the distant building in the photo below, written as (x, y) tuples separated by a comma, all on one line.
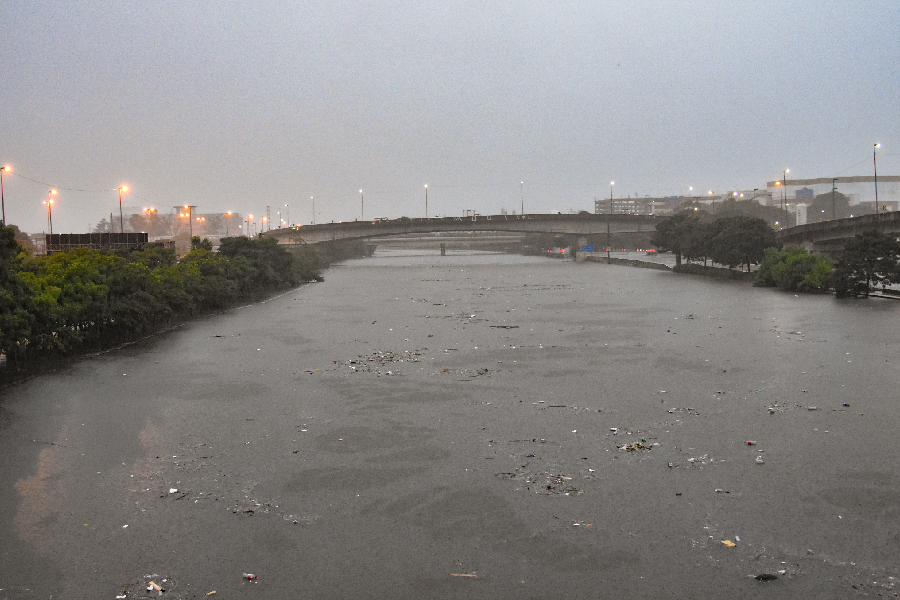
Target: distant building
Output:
[(860, 190)]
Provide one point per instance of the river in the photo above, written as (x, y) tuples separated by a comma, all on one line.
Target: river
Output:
[(468, 426)]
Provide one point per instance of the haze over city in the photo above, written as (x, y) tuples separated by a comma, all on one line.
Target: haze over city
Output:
[(242, 106)]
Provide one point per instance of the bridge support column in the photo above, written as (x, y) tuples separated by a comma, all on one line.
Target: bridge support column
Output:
[(443, 249), (579, 244)]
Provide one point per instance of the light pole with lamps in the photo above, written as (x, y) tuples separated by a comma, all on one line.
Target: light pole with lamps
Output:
[(713, 196), (190, 216), (5, 169), (362, 211), (833, 207), (149, 212), (783, 191), (121, 188), (426, 200), (522, 195), (247, 231), (227, 215), (313, 199), (262, 224), (608, 217), (49, 203), (875, 166)]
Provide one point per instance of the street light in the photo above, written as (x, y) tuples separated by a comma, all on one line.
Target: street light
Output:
[(875, 166), (522, 195), (5, 169), (783, 192), (833, 209), (149, 212), (122, 188), (713, 196), (362, 212), (190, 216), (200, 221), (49, 203), (608, 217), (426, 200), (247, 231), (262, 224), (227, 215), (314, 209)]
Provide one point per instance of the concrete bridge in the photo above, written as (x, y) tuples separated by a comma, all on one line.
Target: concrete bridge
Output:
[(828, 237), (578, 226)]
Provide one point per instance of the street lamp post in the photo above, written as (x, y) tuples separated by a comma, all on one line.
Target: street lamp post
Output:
[(426, 200), (5, 169), (190, 217), (713, 196), (49, 204), (227, 215), (783, 191), (608, 217), (149, 212), (122, 188), (313, 199), (362, 211), (247, 231), (875, 166), (262, 224), (833, 206), (522, 195)]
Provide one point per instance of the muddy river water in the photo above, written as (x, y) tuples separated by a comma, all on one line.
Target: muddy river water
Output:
[(469, 426)]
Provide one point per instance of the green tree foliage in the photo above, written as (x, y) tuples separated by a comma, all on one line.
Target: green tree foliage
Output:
[(677, 235), (16, 318), (869, 259), (739, 240), (732, 241), (821, 208), (794, 270), (83, 299), (730, 207), (198, 244)]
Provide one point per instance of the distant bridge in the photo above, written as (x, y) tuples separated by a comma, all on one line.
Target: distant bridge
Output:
[(828, 236), (579, 226)]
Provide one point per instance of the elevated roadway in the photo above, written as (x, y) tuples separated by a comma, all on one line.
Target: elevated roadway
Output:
[(828, 236), (574, 225)]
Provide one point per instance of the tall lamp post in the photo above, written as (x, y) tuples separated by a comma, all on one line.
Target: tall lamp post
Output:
[(190, 216), (247, 231), (783, 191), (522, 195), (833, 206), (713, 196), (227, 215), (49, 204), (121, 188), (313, 199), (608, 217), (149, 212), (426, 200), (5, 169), (362, 206), (875, 166)]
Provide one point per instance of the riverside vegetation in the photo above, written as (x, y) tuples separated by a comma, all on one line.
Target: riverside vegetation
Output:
[(867, 261), (86, 300)]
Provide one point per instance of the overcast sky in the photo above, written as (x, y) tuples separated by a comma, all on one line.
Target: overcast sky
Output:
[(236, 106)]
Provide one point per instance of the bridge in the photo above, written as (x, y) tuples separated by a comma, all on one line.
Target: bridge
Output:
[(828, 237), (578, 226)]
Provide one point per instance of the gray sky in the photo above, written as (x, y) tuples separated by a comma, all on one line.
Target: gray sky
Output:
[(235, 106)]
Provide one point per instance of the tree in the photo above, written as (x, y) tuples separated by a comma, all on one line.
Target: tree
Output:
[(868, 259), (821, 208), (198, 244), (794, 270), (15, 297), (741, 240), (672, 235)]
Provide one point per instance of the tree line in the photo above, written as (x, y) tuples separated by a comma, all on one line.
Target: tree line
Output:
[(868, 260), (83, 300)]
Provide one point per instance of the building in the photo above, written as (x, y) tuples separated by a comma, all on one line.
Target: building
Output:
[(859, 189)]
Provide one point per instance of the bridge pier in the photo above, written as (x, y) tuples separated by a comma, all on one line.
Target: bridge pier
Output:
[(579, 244)]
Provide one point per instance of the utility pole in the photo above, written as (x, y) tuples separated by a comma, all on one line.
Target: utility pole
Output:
[(833, 209)]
